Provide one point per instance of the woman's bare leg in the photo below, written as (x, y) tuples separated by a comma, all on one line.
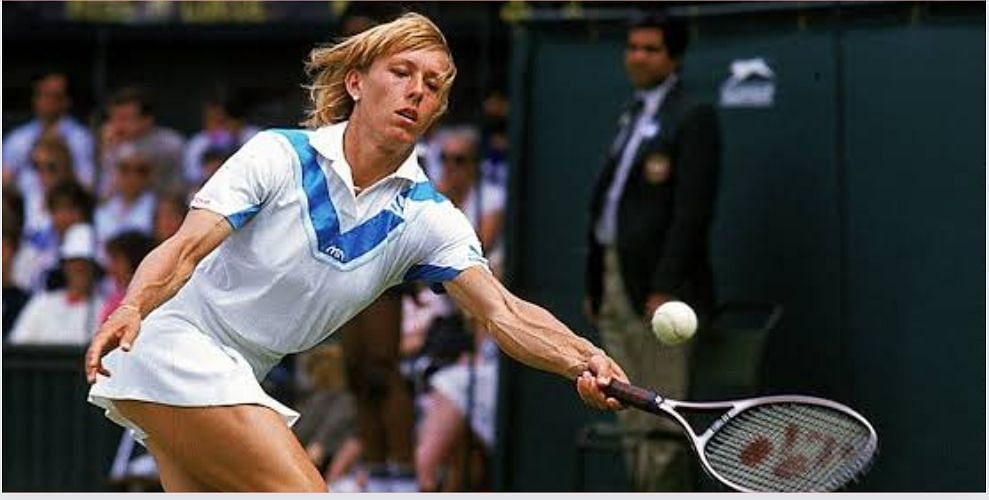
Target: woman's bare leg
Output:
[(224, 448), (173, 477), (438, 433), (385, 409)]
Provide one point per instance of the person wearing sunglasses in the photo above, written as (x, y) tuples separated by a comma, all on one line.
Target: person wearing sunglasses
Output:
[(132, 207)]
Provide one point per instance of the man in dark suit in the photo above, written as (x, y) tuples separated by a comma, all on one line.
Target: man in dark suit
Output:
[(650, 215)]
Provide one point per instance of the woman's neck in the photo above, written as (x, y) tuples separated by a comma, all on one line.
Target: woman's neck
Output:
[(129, 199), (370, 160), (76, 294)]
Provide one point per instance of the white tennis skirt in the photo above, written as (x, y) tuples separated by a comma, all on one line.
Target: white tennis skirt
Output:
[(172, 362)]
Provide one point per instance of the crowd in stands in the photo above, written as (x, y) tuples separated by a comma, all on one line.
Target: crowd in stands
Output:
[(82, 207)]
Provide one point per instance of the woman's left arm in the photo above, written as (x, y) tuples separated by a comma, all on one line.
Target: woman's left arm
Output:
[(531, 335)]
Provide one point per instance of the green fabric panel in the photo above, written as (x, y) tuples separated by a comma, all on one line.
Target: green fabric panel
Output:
[(915, 134), (53, 440)]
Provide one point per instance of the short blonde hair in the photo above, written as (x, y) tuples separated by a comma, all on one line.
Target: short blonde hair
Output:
[(56, 146), (327, 66)]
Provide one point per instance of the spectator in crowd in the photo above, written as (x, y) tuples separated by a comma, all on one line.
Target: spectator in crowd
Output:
[(428, 152), (51, 162), (123, 253), (385, 408), (170, 211), (328, 413), (14, 297), (482, 203), (494, 163), (37, 268), (343, 474), (224, 129), (51, 104), (212, 160), (68, 316), (131, 125), (132, 206), (445, 442), (651, 213), (69, 204), (462, 392), (13, 209)]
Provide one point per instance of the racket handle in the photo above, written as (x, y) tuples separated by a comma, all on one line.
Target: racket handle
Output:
[(643, 399)]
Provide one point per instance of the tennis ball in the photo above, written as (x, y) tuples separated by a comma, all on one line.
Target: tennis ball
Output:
[(674, 323)]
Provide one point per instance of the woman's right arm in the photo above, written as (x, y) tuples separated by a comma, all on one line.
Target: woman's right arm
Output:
[(158, 278)]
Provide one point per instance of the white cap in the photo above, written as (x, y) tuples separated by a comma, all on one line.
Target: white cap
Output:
[(79, 242)]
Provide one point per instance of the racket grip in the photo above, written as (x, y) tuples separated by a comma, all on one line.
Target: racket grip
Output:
[(643, 399)]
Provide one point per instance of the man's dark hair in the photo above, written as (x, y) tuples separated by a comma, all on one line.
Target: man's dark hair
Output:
[(133, 246), (176, 199), (75, 194), (47, 73), (232, 103), (675, 34), (134, 95), (217, 152)]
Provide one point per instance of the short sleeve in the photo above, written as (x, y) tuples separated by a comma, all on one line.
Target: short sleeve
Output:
[(247, 180), (450, 246)]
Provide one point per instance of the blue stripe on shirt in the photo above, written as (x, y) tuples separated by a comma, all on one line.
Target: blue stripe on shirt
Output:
[(365, 237), (237, 220), (434, 275)]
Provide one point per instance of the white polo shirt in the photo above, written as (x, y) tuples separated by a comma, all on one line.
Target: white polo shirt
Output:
[(307, 254)]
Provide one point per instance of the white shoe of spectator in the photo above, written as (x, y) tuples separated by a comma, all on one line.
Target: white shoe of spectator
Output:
[(346, 484), (143, 466), (378, 480)]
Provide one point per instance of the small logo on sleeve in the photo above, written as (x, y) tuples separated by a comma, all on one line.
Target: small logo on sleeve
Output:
[(201, 201)]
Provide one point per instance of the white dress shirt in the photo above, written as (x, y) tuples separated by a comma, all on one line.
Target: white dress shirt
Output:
[(645, 127)]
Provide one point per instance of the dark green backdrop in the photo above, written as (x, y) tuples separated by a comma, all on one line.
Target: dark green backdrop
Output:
[(857, 201)]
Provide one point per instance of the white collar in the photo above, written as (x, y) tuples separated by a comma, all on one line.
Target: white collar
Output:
[(654, 96), (328, 141)]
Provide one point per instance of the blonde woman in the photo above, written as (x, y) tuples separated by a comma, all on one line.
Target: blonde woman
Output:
[(295, 234)]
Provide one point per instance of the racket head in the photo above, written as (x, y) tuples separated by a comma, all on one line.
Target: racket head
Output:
[(788, 444)]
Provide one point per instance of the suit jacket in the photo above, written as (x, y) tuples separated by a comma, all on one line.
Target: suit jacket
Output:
[(666, 208)]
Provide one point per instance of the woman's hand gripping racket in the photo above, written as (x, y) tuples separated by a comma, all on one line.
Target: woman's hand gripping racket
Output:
[(776, 443)]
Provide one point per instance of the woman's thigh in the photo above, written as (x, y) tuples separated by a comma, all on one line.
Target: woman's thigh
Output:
[(173, 477), (226, 448)]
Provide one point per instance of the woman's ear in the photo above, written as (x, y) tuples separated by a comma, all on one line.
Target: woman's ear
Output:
[(352, 80)]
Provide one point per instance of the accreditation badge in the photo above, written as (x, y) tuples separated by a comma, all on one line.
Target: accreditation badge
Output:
[(657, 168)]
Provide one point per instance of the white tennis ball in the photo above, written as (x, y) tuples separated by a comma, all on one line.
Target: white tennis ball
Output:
[(674, 323)]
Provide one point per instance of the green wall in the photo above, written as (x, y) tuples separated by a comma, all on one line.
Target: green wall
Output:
[(53, 440), (856, 201), (915, 240)]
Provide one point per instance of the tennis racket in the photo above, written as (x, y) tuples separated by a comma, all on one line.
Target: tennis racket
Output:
[(770, 444)]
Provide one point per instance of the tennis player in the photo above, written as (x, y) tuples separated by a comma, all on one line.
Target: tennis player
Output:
[(295, 234)]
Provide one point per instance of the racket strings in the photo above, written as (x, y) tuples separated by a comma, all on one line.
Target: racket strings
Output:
[(790, 447), (792, 469), (809, 459)]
